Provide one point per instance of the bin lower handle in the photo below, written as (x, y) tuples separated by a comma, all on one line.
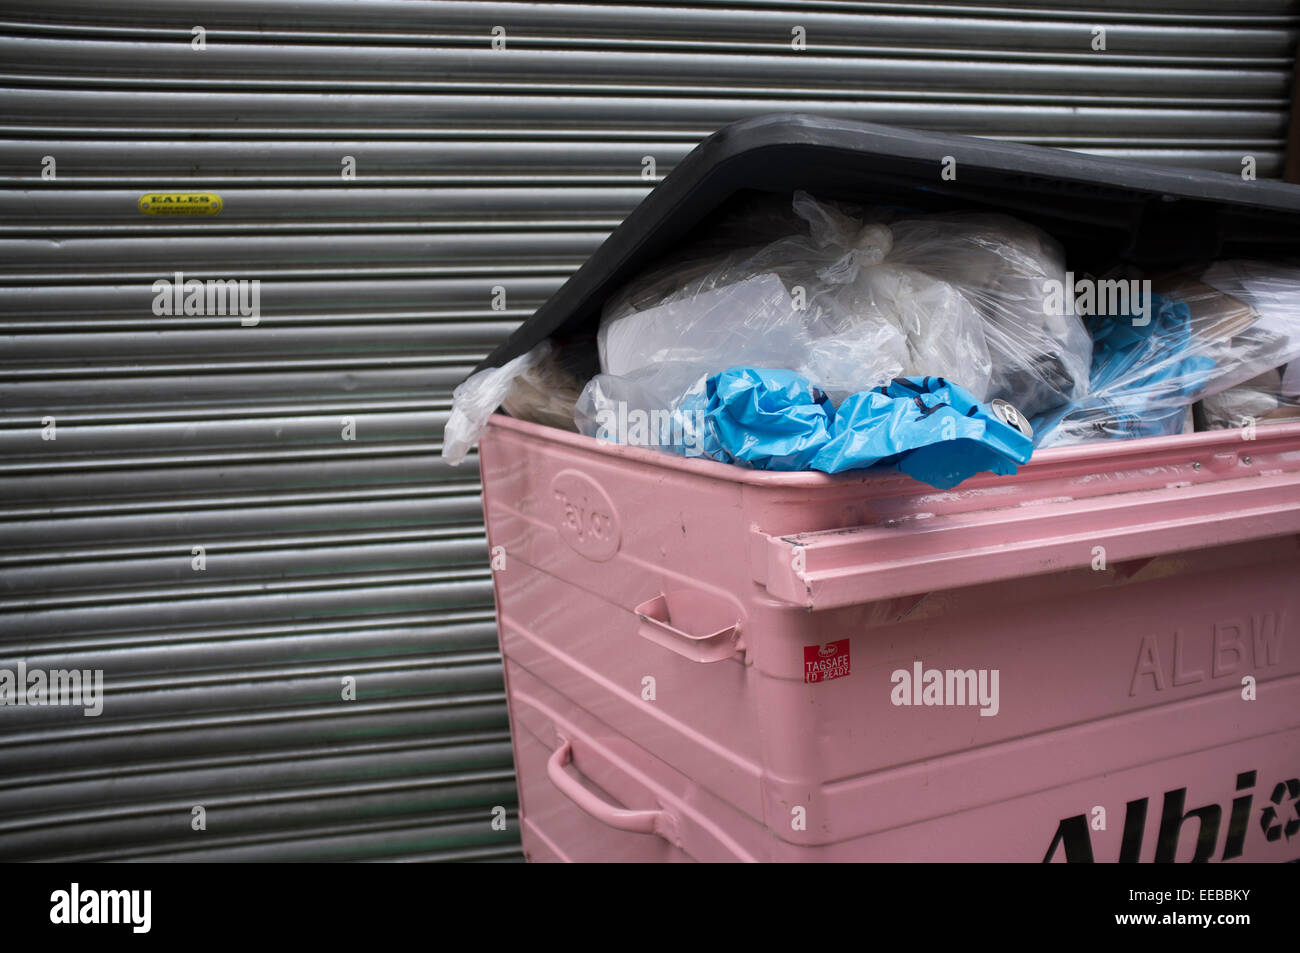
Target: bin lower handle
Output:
[(621, 818)]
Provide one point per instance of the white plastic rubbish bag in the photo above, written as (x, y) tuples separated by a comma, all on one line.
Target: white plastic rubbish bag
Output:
[(829, 305), (645, 409), (1272, 291), (1266, 399), (476, 398), (545, 391), (1009, 271), (1200, 337)]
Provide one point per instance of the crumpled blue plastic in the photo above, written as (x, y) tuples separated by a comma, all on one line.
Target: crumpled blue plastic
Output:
[(927, 427), (1142, 377), (765, 419)]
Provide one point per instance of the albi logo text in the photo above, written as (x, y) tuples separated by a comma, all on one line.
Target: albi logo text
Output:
[(1218, 832)]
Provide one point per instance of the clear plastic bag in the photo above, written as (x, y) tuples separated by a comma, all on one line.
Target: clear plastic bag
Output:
[(1238, 320), (1144, 376), (533, 386), (644, 408), (1041, 357), (1271, 339), (1266, 399), (545, 391), (828, 305)]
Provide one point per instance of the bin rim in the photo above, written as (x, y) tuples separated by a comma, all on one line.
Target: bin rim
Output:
[(1195, 453)]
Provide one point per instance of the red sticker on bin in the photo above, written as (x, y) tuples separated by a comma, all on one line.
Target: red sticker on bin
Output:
[(821, 663)]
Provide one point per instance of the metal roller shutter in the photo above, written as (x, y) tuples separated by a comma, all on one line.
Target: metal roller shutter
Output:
[(328, 558)]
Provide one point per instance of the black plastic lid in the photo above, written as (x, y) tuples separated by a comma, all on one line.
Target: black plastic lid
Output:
[(1099, 208)]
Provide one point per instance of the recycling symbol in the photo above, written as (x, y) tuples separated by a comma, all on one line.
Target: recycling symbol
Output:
[(1268, 820)]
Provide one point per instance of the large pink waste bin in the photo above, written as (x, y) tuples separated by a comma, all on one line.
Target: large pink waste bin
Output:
[(1097, 659)]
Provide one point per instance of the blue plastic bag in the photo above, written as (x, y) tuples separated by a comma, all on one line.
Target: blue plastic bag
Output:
[(1143, 378), (931, 429), (928, 428), (765, 419)]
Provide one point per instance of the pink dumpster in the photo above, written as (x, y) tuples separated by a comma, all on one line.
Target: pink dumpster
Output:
[(1096, 659), (1092, 660)]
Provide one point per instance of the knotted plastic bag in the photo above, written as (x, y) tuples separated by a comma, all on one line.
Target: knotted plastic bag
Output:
[(827, 304), (1014, 274)]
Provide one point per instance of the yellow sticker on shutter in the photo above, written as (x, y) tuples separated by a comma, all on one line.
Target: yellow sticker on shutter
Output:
[(180, 203)]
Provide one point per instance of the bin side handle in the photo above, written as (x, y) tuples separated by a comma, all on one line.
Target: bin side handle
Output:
[(657, 627), (620, 818), (834, 568)]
